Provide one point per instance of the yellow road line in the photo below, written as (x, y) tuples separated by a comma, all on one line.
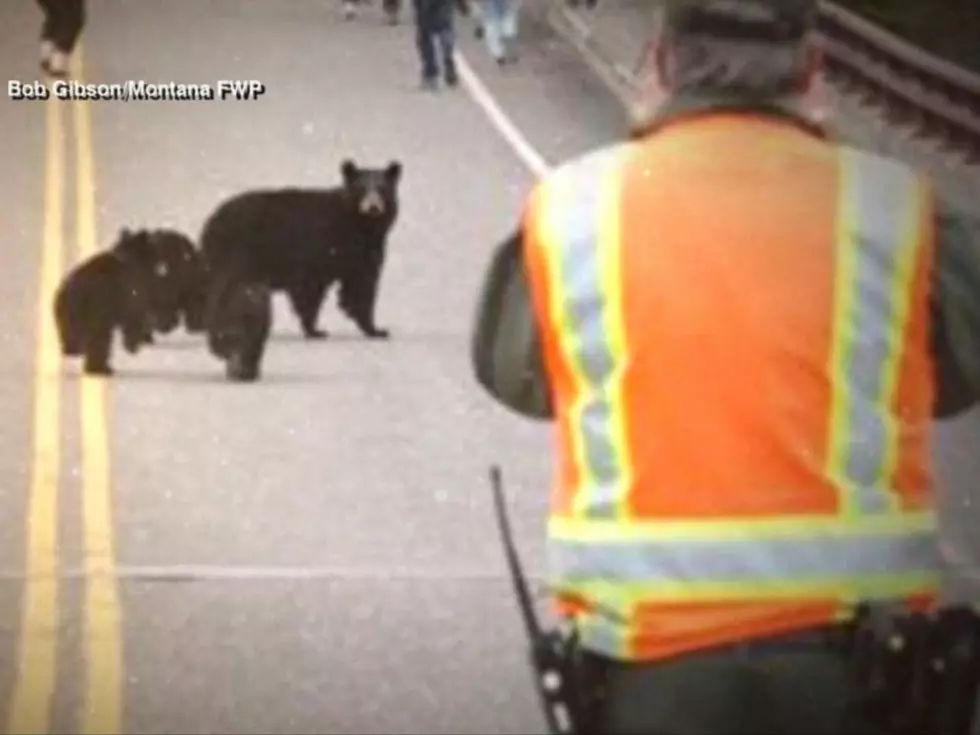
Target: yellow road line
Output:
[(30, 710), (102, 707)]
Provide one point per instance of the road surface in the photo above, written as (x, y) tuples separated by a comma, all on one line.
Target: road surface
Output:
[(316, 552)]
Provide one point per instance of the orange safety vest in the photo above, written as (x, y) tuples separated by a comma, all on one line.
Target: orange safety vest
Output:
[(734, 316)]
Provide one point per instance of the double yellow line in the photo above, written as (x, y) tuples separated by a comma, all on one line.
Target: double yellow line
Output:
[(37, 665)]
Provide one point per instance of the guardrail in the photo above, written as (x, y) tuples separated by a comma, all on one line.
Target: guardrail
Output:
[(913, 89)]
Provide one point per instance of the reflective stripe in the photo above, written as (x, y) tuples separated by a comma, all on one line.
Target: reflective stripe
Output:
[(740, 529), (754, 561), (617, 599), (603, 636), (586, 303), (876, 249)]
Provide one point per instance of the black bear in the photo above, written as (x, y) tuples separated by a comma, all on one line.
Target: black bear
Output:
[(302, 241), (238, 321), (109, 291), (176, 287)]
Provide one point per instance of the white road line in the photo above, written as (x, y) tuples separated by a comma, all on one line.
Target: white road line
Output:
[(500, 119)]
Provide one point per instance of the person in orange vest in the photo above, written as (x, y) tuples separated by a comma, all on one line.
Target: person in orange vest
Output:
[(742, 330)]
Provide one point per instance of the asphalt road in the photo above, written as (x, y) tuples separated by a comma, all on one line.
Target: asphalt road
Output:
[(316, 552)]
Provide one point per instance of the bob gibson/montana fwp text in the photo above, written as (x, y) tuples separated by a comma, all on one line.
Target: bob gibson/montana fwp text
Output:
[(137, 91)]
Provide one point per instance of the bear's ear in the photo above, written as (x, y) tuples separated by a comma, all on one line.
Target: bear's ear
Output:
[(124, 251), (348, 170), (125, 233), (394, 172)]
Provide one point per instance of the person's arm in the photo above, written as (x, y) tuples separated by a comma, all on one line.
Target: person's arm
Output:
[(956, 312), (506, 348)]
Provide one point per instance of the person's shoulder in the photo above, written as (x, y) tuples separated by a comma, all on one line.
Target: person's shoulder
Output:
[(592, 162)]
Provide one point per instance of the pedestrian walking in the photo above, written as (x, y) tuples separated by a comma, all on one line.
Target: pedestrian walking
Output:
[(499, 21), (60, 31), (436, 41)]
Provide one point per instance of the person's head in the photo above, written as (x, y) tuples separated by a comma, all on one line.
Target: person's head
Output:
[(761, 49)]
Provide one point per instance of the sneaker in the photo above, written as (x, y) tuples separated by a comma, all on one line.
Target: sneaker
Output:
[(452, 78), (350, 10), (56, 64), (429, 84)]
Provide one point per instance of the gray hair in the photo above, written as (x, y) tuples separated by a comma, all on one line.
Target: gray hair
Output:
[(761, 69)]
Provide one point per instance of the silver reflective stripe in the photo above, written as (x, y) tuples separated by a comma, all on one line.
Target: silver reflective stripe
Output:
[(602, 633), (878, 207), (577, 229), (798, 558)]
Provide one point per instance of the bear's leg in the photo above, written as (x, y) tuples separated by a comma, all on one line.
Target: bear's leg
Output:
[(71, 346), (97, 351), (194, 307), (137, 331), (239, 370), (358, 296), (245, 365), (306, 298), (72, 343)]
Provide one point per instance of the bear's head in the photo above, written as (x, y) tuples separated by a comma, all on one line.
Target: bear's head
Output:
[(150, 276), (135, 297), (372, 191), (177, 271)]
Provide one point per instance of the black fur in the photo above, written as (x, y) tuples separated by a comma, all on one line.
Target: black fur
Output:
[(175, 266), (109, 291), (239, 318), (302, 241), (183, 263)]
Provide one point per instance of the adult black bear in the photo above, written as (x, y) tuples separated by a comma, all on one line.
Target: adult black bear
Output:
[(238, 321), (301, 241), (175, 265), (109, 291)]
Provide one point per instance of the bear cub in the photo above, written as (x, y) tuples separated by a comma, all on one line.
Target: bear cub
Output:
[(239, 319), (109, 291), (302, 241)]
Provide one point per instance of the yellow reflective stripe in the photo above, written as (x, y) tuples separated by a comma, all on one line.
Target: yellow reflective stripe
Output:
[(549, 204), (580, 238), (878, 224), (724, 529), (618, 599)]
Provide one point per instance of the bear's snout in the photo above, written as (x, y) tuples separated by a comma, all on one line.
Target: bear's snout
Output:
[(373, 203)]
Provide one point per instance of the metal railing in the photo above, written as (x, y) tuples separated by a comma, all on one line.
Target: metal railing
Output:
[(913, 89)]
